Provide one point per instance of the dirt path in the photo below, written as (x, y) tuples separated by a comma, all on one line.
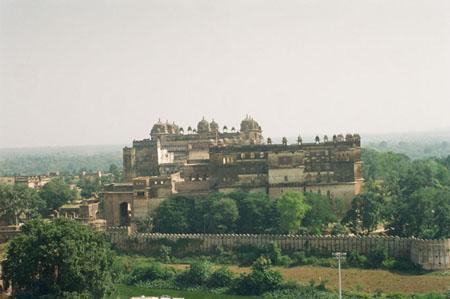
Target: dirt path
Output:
[(362, 280)]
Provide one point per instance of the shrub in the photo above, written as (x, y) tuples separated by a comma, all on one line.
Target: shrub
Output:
[(149, 273), (355, 259), (164, 253), (377, 257), (197, 274), (285, 261), (259, 281), (404, 264), (300, 292), (273, 252), (220, 278), (299, 257)]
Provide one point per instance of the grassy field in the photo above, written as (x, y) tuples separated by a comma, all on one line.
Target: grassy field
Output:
[(125, 292), (363, 280)]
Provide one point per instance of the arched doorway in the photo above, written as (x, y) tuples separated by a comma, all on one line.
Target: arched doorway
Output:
[(125, 214)]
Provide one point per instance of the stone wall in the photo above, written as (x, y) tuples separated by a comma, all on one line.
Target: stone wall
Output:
[(430, 254), (8, 232)]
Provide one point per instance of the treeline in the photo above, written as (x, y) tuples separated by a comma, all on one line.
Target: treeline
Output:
[(414, 149), (70, 160), (407, 197), (241, 212)]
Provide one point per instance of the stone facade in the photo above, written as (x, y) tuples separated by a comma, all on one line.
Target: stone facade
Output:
[(85, 211), (205, 160)]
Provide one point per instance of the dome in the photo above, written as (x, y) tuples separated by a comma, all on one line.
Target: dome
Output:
[(214, 126), (172, 128), (203, 126), (159, 128), (249, 124)]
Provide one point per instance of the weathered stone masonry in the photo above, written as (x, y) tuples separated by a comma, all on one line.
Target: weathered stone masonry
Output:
[(430, 254)]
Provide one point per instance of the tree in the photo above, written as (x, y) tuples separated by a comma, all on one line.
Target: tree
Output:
[(173, 215), (16, 200), (424, 214), (291, 209), (53, 258), (365, 213), (320, 214), (257, 212), (56, 193), (115, 171), (88, 187), (222, 216)]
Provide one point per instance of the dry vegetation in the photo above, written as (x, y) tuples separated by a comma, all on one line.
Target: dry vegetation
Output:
[(362, 280), (3, 250)]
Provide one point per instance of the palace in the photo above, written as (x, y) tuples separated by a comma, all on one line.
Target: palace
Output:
[(206, 159)]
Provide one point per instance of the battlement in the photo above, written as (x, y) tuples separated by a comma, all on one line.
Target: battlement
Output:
[(430, 254)]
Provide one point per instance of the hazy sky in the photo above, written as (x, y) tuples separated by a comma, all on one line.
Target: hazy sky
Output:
[(95, 72)]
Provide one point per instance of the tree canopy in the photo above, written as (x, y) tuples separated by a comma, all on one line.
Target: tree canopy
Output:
[(16, 200), (56, 193), (291, 208), (54, 258)]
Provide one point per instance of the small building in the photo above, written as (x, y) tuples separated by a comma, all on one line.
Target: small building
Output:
[(85, 211)]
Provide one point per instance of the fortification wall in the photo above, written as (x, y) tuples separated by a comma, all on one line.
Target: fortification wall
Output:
[(430, 254)]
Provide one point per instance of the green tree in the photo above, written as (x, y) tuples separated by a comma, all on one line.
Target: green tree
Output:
[(321, 213), (56, 193), (173, 215), (365, 213), (291, 209), (53, 258), (89, 187), (115, 171), (16, 200), (222, 216), (257, 212), (425, 214)]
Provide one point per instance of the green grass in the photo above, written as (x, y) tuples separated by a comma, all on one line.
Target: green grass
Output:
[(125, 292)]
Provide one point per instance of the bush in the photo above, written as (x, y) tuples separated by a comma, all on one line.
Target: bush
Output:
[(273, 252), (149, 273), (164, 253), (354, 259), (377, 257), (197, 274), (259, 281), (247, 254), (300, 292), (221, 278), (285, 261), (299, 257)]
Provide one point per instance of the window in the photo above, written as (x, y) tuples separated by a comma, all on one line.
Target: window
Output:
[(285, 178), (140, 194)]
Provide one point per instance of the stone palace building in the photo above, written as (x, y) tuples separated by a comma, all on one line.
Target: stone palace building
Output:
[(206, 159)]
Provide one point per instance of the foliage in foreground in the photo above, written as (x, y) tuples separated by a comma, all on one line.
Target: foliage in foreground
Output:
[(262, 281), (60, 259)]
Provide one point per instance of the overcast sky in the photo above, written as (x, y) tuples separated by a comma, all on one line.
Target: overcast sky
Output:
[(99, 72)]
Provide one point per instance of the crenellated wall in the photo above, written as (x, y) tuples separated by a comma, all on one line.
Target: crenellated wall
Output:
[(430, 254)]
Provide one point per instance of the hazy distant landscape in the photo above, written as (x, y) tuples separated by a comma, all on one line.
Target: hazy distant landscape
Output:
[(72, 159)]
